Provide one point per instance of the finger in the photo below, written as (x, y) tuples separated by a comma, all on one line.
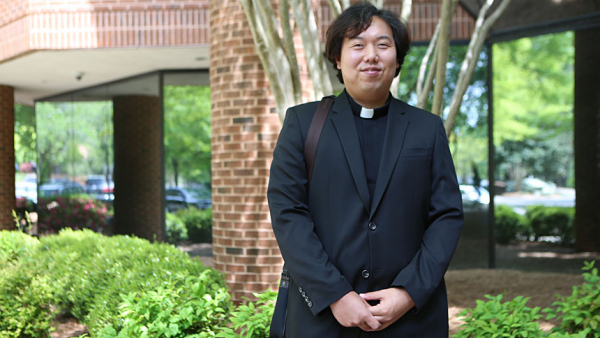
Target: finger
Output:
[(375, 295), (378, 310), (373, 323)]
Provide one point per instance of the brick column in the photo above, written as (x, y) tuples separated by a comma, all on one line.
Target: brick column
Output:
[(245, 126), (7, 157), (138, 177)]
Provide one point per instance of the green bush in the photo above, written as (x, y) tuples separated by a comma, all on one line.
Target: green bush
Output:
[(75, 212), (581, 310), (14, 245), (85, 274), (198, 223), (495, 318), (191, 309), (252, 320), (176, 230), (552, 221), (509, 224)]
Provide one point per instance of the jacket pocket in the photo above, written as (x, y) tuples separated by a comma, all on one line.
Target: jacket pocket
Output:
[(412, 152)]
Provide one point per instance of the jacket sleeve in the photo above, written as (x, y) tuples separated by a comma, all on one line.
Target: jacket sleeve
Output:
[(444, 222), (306, 260)]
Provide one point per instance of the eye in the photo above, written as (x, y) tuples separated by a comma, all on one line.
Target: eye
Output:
[(357, 45)]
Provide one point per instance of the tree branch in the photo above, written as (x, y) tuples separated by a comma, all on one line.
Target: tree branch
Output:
[(482, 27), (288, 40), (443, 46)]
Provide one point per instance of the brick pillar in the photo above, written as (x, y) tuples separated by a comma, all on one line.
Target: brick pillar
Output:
[(245, 126), (138, 174), (7, 157)]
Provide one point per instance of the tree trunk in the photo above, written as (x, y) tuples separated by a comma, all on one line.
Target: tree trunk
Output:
[(587, 140)]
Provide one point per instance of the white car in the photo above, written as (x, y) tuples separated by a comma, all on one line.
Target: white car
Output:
[(474, 197), (27, 190)]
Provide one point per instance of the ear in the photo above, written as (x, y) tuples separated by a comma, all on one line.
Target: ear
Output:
[(337, 61)]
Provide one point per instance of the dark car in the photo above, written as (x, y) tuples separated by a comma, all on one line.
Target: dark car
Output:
[(180, 198), (60, 188), (100, 189)]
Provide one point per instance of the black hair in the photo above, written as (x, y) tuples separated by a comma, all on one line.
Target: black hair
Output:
[(355, 20)]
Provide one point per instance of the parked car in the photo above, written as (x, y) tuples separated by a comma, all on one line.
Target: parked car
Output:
[(180, 198), (61, 188), (99, 189), (26, 190), (474, 198)]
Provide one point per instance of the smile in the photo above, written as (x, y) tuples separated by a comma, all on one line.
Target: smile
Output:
[(371, 71)]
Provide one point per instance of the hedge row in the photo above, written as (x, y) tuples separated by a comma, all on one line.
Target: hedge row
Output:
[(538, 221), (117, 286)]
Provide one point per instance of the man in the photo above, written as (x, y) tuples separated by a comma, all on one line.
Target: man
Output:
[(368, 242)]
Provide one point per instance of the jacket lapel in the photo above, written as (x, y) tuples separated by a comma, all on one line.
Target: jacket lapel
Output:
[(343, 121), (392, 144)]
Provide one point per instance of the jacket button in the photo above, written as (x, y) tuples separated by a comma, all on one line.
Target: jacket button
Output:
[(365, 274), (372, 226)]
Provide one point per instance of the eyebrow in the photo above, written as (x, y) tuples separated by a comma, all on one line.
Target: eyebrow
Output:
[(386, 37)]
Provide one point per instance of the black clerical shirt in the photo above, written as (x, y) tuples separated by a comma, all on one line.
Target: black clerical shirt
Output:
[(371, 133)]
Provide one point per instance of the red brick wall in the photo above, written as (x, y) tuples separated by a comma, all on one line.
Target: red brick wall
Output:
[(7, 157), (138, 177), (244, 130)]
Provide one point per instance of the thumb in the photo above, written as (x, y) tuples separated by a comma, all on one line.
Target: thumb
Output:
[(375, 295)]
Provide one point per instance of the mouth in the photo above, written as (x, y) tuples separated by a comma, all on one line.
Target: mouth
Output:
[(371, 70)]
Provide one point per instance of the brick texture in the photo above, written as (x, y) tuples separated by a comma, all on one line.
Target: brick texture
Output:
[(7, 157), (138, 176), (28, 25), (245, 126)]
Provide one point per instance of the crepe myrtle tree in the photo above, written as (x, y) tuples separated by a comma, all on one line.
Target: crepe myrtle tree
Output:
[(279, 60)]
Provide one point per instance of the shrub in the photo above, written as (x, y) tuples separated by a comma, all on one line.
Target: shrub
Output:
[(85, 274), (198, 223), (509, 224), (191, 309), (581, 310), (14, 245), (495, 318), (75, 212), (176, 230), (252, 320), (552, 221)]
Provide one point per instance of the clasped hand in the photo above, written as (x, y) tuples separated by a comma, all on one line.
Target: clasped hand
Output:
[(352, 310)]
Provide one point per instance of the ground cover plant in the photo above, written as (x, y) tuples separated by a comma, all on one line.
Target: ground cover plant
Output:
[(578, 314), (91, 277)]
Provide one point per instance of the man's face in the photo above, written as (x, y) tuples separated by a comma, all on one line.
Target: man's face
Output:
[(368, 61)]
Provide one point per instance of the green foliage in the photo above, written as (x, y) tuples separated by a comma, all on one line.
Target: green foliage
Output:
[(76, 212), (74, 138), (84, 274), (187, 133), (495, 318), (198, 223), (25, 134), (252, 320), (533, 105), (190, 309), (581, 310), (176, 230), (552, 221), (14, 245), (509, 224)]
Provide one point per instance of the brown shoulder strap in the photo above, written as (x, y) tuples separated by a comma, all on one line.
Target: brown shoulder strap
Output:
[(314, 133)]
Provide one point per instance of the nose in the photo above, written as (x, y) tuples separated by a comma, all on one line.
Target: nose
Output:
[(371, 54)]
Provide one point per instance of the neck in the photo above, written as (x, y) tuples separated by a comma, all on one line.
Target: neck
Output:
[(370, 102)]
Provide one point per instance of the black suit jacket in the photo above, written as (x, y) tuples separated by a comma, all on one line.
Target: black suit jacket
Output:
[(333, 243)]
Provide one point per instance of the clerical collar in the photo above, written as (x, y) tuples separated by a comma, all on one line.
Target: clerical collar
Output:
[(366, 113)]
